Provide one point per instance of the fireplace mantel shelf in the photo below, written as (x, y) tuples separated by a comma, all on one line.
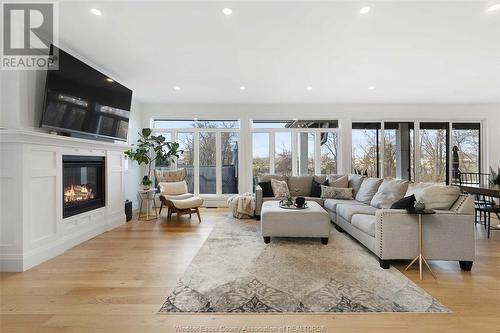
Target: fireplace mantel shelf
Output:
[(31, 137)]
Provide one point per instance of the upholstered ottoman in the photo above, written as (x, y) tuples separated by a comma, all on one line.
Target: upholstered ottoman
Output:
[(313, 221)]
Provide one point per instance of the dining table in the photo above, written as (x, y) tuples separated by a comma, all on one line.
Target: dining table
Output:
[(485, 190)]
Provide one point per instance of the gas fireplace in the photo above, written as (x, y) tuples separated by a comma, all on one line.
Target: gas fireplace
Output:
[(83, 184)]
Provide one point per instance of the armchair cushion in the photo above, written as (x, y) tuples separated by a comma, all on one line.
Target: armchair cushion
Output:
[(173, 188)]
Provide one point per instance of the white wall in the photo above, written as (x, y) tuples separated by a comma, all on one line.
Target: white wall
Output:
[(21, 102), (489, 114), (133, 173)]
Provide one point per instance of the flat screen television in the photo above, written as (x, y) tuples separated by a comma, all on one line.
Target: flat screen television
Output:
[(80, 99)]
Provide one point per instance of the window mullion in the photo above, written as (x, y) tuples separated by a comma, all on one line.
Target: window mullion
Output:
[(317, 152), (218, 164), (271, 152), (196, 162)]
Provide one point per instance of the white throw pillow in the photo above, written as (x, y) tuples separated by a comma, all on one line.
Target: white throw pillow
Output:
[(280, 188), (173, 188), (340, 181), (368, 189), (390, 191), (329, 192), (435, 196)]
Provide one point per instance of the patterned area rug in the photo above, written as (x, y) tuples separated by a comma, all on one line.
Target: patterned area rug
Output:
[(235, 271)]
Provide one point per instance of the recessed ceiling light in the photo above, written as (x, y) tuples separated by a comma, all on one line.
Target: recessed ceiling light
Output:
[(96, 11), (227, 11), (110, 79), (364, 10), (371, 88), (177, 88), (309, 88), (242, 88), (493, 7)]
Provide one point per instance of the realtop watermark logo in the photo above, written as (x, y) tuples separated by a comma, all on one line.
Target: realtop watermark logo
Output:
[(28, 30)]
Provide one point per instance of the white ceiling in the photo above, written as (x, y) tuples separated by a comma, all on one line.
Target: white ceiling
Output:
[(411, 51)]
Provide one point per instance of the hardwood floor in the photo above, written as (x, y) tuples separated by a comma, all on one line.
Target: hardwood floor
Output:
[(117, 281)]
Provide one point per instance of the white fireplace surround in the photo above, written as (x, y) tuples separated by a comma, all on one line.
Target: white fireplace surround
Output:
[(32, 229)]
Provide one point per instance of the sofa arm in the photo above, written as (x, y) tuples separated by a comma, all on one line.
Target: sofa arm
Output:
[(258, 200), (447, 235)]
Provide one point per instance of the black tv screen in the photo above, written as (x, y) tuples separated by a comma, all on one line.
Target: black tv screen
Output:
[(80, 99)]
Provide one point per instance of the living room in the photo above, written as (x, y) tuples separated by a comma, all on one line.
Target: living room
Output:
[(281, 166)]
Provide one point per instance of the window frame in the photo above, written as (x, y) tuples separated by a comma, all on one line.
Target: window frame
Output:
[(196, 161), (294, 144)]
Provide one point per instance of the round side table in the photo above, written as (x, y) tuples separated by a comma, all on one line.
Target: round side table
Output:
[(421, 259), (147, 196)]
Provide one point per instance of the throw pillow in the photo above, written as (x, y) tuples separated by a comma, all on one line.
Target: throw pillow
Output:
[(338, 181), (280, 188), (329, 192), (316, 188), (435, 196), (390, 191), (355, 182), (367, 190), (405, 203), (267, 190)]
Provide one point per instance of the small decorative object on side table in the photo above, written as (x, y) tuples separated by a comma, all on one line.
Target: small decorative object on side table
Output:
[(147, 196), (420, 257)]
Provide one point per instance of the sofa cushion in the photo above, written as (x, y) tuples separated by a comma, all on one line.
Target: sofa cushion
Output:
[(320, 178), (268, 177), (336, 192), (300, 185), (354, 182), (365, 223), (331, 204), (434, 196), (346, 211), (267, 189), (280, 188), (316, 188), (338, 181), (390, 191), (367, 190)]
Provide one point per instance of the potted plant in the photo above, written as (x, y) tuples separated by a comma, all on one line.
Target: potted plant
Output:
[(150, 148)]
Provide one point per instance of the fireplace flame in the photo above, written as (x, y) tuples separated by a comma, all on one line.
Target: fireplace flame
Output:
[(74, 193)]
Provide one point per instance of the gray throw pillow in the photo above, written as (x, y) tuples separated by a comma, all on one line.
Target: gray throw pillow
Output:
[(328, 192), (390, 191), (368, 189)]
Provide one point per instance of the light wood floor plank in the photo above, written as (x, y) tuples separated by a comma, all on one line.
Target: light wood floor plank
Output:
[(117, 281)]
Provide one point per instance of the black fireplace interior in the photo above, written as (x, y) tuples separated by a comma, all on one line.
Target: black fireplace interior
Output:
[(83, 184)]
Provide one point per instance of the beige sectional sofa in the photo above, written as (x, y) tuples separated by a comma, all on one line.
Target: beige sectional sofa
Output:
[(392, 234)]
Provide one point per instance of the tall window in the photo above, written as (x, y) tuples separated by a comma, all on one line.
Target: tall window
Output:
[(210, 153), (306, 153), (283, 153), (466, 138), (294, 147), (229, 162), (433, 152), (261, 157), (365, 151), (398, 150), (208, 161), (186, 160), (328, 161)]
